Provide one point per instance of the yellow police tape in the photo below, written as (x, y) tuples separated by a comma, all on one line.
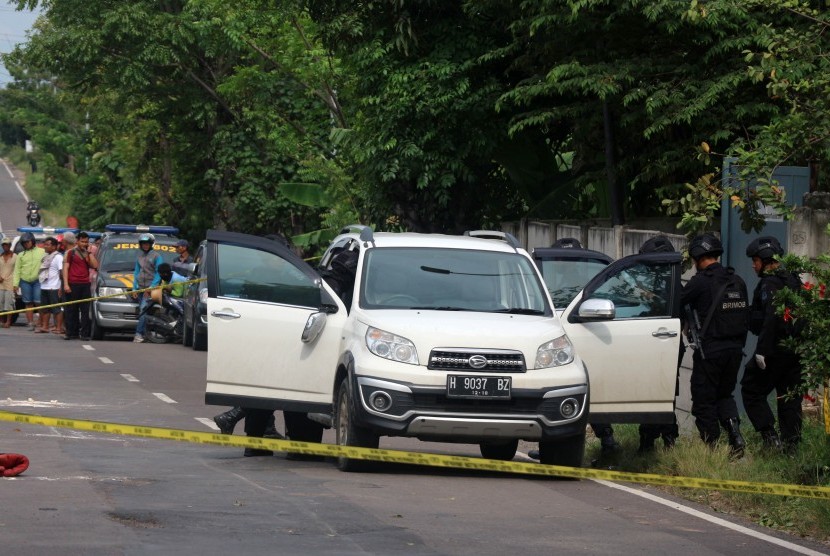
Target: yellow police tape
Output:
[(39, 308), (417, 458)]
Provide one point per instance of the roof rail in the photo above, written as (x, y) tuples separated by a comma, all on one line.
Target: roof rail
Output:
[(352, 228), (509, 239)]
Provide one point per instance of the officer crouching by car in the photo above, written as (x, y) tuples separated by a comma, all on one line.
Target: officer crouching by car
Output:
[(716, 306), (774, 367)]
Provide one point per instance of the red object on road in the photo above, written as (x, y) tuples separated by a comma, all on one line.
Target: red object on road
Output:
[(13, 464), (72, 222)]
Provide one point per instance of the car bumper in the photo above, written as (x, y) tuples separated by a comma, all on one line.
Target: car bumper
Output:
[(427, 413), (117, 315)]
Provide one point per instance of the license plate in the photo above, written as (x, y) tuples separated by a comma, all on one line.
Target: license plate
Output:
[(490, 387)]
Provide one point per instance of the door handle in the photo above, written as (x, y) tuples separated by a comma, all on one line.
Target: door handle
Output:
[(663, 333), (229, 314)]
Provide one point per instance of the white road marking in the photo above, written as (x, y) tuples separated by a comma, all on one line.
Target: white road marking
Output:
[(164, 397), (130, 378), (7, 169), (71, 478), (26, 375), (19, 188), (106, 360), (712, 519), (88, 347), (8, 402), (207, 422)]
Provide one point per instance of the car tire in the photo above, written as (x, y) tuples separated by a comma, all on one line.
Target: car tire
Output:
[(187, 334), (504, 451), (567, 452), (96, 331), (199, 340), (349, 434)]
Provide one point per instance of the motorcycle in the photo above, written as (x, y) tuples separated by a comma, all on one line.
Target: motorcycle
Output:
[(34, 217), (164, 318)]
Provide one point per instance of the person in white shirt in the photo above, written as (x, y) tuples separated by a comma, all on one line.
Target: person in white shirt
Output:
[(49, 277)]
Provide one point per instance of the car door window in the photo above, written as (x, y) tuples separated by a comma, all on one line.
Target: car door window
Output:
[(638, 291), (252, 274)]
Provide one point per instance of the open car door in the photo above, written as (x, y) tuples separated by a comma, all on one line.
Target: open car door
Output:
[(632, 353), (274, 327)]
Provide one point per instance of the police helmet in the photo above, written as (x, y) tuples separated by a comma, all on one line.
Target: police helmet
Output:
[(705, 244), (27, 236), (657, 244), (764, 247), (567, 243), (147, 238)]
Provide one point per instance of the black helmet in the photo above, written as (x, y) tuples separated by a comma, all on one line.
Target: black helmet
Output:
[(567, 243), (657, 244), (764, 247), (705, 244), (27, 236)]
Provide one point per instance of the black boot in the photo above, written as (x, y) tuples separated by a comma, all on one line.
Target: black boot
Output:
[(771, 440), (227, 421), (736, 439), (271, 429)]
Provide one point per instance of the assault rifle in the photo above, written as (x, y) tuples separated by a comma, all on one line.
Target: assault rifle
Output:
[(693, 330)]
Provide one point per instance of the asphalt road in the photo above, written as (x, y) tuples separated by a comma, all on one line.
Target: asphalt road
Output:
[(12, 200), (87, 493)]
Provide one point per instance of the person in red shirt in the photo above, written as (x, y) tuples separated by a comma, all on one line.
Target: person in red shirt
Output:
[(76, 285)]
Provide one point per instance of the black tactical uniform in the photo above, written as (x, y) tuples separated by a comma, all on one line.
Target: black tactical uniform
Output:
[(717, 360), (782, 371)]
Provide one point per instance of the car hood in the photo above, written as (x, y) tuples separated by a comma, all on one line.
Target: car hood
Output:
[(466, 329)]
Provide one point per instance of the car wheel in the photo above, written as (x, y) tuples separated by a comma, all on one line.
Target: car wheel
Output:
[(199, 341), (96, 331), (349, 434), (567, 452), (499, 450), (154, 337), (187, 334)]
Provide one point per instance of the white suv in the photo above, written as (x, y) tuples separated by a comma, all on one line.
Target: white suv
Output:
[(447, 338)]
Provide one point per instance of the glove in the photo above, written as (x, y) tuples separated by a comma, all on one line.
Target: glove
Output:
[(760, 361), (13, 464)]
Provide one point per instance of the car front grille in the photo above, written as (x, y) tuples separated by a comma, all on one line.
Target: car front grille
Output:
[(477, 360)]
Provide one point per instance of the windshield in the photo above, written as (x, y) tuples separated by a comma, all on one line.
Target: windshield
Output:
[(121, 255), (451, 280), (565, 278)]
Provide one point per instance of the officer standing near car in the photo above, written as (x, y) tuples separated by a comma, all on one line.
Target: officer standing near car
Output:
[(717, 305), (773, 367), (668, 432)]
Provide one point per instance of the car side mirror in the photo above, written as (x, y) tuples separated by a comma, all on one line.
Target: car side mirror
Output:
[(185, 269), (597, 309)]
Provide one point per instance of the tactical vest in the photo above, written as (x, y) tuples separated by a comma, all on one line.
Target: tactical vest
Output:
[(730, 304)]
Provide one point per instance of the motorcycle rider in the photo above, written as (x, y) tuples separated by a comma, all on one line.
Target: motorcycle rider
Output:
[(145, 275), (33, 213), (774, 367)]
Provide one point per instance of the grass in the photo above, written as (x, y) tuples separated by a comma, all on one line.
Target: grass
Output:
[(804, 517)]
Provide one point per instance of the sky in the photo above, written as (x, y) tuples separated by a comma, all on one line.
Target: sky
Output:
[(13, 27)]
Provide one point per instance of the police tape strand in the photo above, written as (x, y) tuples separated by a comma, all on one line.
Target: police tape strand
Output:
[(88, 299), (418, 458)]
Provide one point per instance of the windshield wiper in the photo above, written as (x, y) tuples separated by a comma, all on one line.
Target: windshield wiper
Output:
[(519, 311), (442, 308)]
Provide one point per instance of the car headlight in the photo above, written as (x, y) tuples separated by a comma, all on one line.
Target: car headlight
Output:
[(555, 353), (390, 346), (106, 291)]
